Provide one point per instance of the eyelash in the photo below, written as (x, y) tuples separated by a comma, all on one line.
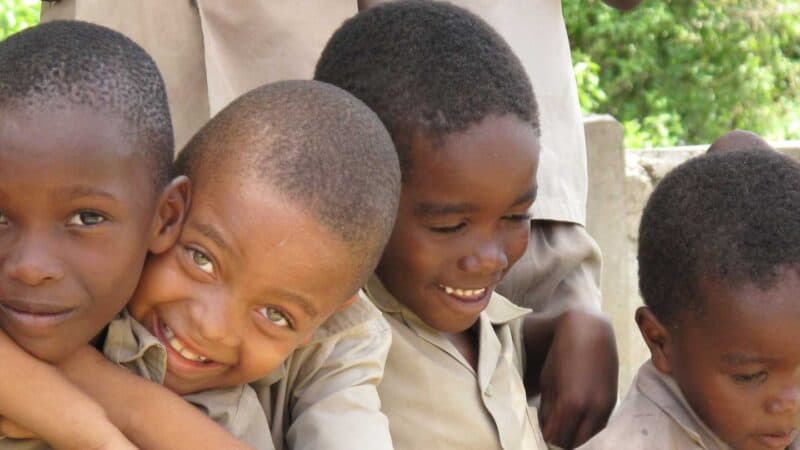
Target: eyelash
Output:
[(82, 216), (518, 217), (452, 229), (194, 253), (750, 377), (264, 312)]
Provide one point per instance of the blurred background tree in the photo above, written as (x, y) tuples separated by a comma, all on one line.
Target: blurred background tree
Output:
[(17, 14), (673, 72), (685, 71)]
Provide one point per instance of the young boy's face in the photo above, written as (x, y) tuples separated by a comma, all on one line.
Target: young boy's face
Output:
[(77, 206), (251, 278), (738, 362), (463, 220)]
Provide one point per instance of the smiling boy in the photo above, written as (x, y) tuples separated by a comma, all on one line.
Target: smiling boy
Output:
[(86, 193), (464, 121), (289, 216), (719, 260)]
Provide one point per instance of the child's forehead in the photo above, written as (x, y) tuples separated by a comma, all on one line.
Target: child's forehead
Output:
[(741, 315)]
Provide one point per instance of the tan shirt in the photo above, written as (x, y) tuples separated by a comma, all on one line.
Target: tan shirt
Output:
[(237, 409), (324, 397), (656, 416), (433, 397)]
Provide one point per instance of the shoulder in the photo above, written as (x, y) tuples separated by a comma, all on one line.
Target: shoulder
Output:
[(361, 319)]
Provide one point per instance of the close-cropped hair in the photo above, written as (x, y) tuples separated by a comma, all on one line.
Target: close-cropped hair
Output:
[(318, 146), (731, 216), (427, 67), (63, 64)]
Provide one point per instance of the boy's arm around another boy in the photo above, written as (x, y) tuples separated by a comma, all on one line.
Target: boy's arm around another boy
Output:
[(325, 396)]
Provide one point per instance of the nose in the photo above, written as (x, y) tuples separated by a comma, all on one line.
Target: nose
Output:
[(33, 261), (787, 401), (215, 319), (487, 257)]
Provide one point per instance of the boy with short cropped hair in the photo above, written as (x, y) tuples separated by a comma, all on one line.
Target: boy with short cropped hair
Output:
[(719, 268), (464, 120), (289, 216), (86, 193)]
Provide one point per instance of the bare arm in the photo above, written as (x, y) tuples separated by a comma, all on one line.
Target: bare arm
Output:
[(149, 414), (29, 387)]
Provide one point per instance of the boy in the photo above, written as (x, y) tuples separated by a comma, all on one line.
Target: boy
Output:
[(719, 253), (289, 216), (463, 118), (85, 194)]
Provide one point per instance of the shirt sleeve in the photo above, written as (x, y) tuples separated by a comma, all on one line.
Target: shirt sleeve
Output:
[(335, 403)]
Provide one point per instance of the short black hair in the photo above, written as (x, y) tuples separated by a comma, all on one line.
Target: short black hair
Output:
[(316, 144), (731, 216), (72, 63), (427, 67)]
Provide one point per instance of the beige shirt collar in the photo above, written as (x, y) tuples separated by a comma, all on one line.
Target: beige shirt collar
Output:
[(499, 311), (129, 342), (664, 392)]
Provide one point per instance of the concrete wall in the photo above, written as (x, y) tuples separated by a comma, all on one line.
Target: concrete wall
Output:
[(619, 184)]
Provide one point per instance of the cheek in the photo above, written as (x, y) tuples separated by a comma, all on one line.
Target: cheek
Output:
[(517, 242), (262, 356), (162, 281)]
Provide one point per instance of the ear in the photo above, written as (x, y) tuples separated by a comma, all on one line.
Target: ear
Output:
[(171, 210), (349, 302), (657, 337)]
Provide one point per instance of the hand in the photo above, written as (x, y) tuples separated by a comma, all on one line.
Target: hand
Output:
[(578, 380), (10, 429)]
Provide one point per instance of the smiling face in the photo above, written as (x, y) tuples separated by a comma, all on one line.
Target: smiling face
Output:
[(251, 278), (738, 363), (463, 220), (77, 209)]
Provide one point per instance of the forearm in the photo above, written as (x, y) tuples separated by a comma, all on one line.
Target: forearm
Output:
[(538, 331), (30, 390), (149, 414)]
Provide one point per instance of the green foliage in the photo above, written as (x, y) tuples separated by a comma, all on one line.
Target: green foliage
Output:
[(17, 14), (686, 71)]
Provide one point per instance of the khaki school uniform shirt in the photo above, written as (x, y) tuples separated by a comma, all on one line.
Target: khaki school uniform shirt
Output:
[(433, 397), (656, 416), (237, 409), (324, 397)]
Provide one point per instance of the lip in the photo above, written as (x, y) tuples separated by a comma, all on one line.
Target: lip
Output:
[(779, 440), (35, 317), (471, 305), (177, 364)]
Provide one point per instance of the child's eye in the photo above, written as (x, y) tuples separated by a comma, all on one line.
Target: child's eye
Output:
[(518, 217), (3, 219), (755, 377), (275, 316), (202, 260), (451, 229), (86, 218)]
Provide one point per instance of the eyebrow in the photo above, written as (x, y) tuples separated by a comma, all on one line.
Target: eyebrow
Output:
[(300, 301), (743, 360), (83, 190), (527, 197), (430, 209), (213, 234)]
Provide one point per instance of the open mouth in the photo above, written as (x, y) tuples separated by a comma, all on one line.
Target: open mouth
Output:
[(465, 295), (181, 348)]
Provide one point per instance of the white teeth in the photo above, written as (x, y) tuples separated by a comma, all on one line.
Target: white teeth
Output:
[(463, 292), (178, 346)]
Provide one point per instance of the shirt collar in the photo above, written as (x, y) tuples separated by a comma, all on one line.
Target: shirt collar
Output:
[(128, 341), (662, 390)]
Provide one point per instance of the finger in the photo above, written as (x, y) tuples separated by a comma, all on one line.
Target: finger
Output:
[(590, 425), (12, 430), (561, 426)]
